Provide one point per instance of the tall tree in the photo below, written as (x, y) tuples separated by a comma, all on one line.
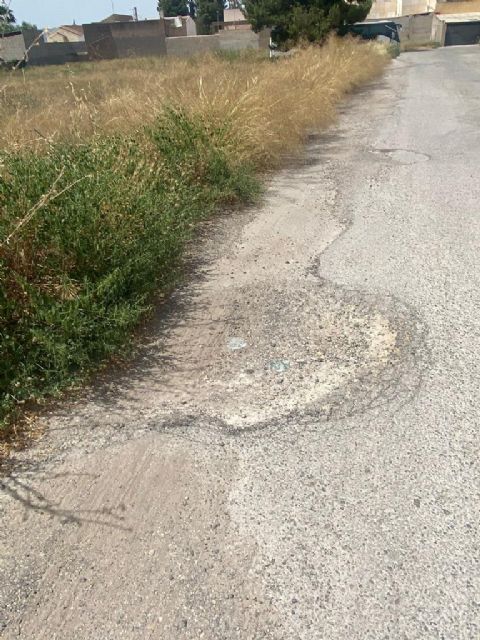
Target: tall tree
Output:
[(25, 26), (172, 8), (7, 19), (312, 20), (209, 11)]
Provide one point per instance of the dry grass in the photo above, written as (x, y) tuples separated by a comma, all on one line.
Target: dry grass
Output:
[(269, 106), (469, 6)]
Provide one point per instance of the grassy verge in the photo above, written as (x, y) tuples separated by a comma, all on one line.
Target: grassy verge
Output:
[(96, 208), (418, 46)]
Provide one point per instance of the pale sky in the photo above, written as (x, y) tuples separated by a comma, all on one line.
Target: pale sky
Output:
[(51, 13)]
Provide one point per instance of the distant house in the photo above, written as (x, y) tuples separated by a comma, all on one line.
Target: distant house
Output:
[(456, 28), (65, 33), (117, 17), (233, 20)]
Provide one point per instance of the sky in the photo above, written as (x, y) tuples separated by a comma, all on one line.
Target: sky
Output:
[(51, 13)]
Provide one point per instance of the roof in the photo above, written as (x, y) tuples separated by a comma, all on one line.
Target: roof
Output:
[(76, 28), (118, 17), (459, 17)]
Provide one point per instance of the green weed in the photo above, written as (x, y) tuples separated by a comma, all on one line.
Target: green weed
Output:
[(78, 271)]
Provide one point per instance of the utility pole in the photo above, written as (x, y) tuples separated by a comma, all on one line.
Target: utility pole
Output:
[(135, 14)]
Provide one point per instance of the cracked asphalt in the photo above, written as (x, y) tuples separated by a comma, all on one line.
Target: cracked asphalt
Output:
[(293, 453)]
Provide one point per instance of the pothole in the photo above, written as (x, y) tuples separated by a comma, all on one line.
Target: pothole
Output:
[(265, 353), (403, 156)]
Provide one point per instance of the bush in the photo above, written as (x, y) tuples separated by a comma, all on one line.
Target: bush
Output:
[(79, 271)]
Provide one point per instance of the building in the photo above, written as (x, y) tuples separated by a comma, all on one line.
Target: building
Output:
[(117, 17), (65, 33), (234, 20), (424, 21), (382, 9), (456, 28)]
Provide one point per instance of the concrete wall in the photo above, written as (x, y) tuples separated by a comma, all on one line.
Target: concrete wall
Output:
[(236, 40), (146, 38), (420, 28), (12, 47), (99, 41), (416, 29), (46, 53), (221, 41), (106, 41), (192, 45), (191, 26), (438, 30)]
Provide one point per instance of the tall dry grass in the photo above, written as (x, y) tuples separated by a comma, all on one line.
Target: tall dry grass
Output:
[(269, 106)]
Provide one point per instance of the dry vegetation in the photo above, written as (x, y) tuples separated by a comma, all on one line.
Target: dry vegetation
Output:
[(106, 168), (270, 106)]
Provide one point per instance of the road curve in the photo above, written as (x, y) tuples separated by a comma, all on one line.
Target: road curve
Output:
[(294, 452)]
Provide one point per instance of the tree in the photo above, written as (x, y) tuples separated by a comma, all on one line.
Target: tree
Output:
[(26, 26), (172, 8), (209, 11), (310, 20), (7, 19)]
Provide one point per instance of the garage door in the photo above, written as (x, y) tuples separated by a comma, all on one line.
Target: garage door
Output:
[(462, 33)]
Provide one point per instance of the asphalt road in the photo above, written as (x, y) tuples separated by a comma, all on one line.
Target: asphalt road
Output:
[(294, 453)]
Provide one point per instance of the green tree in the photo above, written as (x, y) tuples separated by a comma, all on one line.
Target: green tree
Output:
[(310, 20), (25, 26), (172, 8), (209, 11), (7, 19)]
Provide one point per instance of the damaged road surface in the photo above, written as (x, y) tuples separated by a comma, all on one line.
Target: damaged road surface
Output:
[(293, 454)]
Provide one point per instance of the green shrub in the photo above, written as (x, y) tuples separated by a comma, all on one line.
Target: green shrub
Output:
[(78, 272)]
